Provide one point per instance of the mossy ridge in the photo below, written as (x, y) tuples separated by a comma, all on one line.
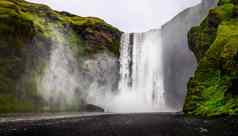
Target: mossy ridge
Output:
[(212, 91), (93, 31), (25, 36), (201, 37)]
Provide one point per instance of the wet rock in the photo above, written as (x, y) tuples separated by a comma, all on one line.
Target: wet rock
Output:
[(93, 108)]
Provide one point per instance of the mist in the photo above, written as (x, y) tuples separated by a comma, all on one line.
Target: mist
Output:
[(69, 81)]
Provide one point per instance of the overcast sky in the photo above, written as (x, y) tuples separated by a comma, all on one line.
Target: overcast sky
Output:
[(127, 15)]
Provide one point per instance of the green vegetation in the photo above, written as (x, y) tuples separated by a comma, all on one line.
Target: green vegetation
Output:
[(26, 34), (213, 91)]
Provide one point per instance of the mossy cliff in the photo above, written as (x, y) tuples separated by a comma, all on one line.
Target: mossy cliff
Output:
[(25, 41), (213, 91)]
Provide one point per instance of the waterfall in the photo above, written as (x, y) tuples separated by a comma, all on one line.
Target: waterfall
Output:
[(150, 63), (141, 86)]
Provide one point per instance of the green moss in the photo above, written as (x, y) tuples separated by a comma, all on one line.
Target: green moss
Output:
[(200, 39), (224, 11), (11, 104), (222, 2), (211, 91)]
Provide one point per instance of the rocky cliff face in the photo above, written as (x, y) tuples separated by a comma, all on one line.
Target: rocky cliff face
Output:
[(213, 89), (27, 35), (178, 61)]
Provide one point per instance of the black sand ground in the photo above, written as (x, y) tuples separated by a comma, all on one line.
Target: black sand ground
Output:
[(122, 125)]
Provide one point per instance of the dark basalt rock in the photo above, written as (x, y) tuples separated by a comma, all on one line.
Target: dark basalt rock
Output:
[(93, 108), (233, 89)]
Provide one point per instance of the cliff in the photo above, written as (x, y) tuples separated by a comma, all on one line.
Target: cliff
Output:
[(27, 34), (179, 63), (213, 91)]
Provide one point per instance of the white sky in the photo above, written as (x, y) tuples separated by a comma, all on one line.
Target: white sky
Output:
[(127, 15)]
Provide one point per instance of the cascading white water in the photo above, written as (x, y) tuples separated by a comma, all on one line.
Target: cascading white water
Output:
[(59, 82), (141, 86)]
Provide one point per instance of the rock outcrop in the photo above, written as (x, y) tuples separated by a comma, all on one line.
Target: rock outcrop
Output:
[(26, 38), (213, 89)]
